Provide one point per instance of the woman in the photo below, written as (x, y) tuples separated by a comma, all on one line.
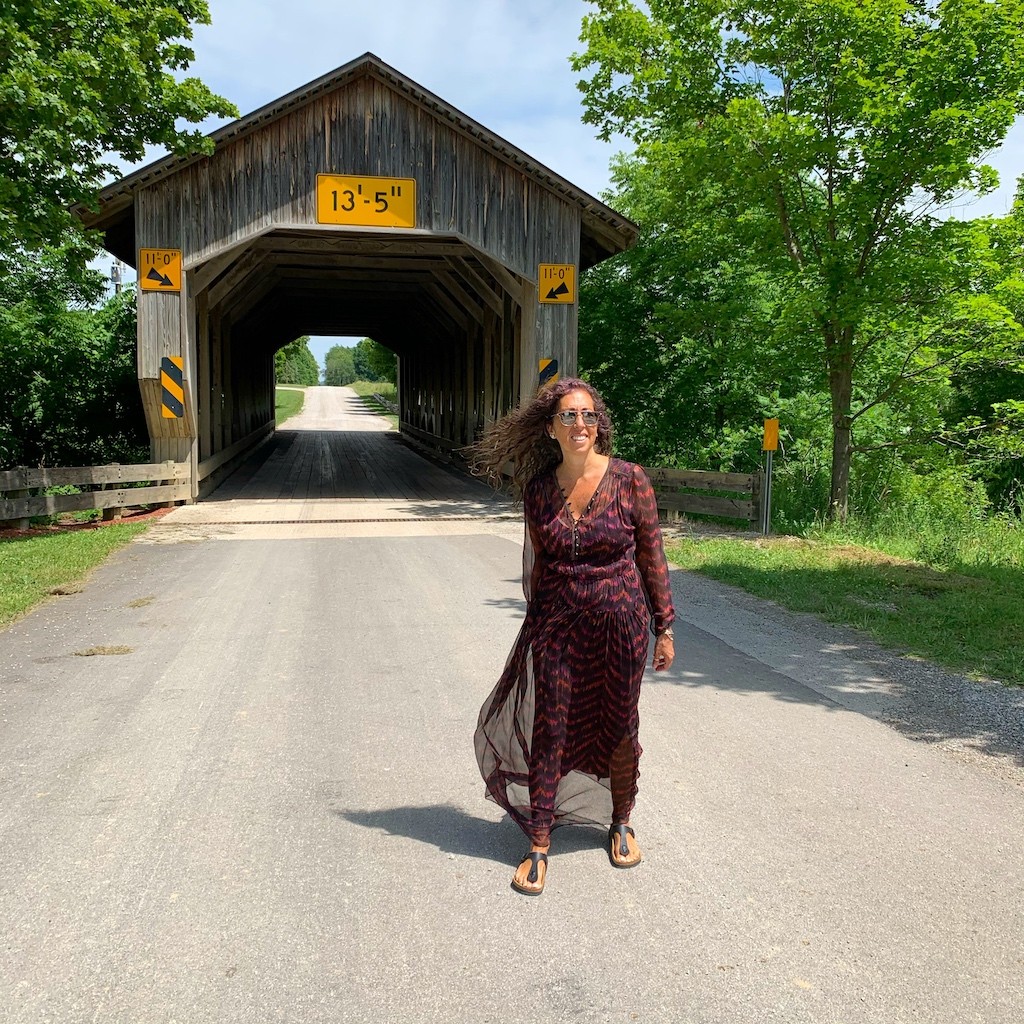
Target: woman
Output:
[(557, 738)]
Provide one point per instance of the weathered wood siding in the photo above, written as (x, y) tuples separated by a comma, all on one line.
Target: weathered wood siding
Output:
[(269, 178), (488, 353)]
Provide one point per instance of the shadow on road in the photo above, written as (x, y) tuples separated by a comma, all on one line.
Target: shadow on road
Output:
[(454, 831), (847, 671), (352, 464)]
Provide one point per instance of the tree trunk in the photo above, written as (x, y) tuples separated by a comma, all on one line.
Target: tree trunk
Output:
[(839, 347)]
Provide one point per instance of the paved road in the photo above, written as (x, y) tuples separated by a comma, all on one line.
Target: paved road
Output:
[(269, 811)]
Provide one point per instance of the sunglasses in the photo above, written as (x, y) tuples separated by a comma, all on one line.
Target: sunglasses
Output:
[(568, 417)]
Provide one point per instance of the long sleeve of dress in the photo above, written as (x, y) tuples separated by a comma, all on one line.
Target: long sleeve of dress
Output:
[(650, 552), (533, 553)]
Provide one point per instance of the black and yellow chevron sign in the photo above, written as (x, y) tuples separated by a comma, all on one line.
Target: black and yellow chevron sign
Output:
[(548, 371), (172, 381)]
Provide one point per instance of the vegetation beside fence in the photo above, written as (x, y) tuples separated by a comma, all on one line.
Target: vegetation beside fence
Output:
[(379, 396)]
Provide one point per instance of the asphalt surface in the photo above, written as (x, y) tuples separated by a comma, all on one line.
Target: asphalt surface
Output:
[(269, 811)]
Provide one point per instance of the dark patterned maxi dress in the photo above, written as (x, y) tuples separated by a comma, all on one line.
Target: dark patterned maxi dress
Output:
[(557, 740)]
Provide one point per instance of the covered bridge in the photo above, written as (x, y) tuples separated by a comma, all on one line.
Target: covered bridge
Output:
[(360, 204)]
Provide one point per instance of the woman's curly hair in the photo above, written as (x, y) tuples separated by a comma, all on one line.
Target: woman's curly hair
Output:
[(519, 444)]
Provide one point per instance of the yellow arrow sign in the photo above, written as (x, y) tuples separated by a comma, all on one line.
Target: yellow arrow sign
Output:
[(160, 270), (556, 282)]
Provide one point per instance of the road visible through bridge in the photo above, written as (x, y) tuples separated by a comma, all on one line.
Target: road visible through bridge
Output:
[(336, 464), (237, 785)]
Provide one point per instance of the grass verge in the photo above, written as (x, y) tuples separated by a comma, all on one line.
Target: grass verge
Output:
[(969, 618), (37, 565), (366, 389), (287, 402)]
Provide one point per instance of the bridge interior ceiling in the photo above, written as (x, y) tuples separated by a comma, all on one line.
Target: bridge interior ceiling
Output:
[(404, 294), (452, 313)]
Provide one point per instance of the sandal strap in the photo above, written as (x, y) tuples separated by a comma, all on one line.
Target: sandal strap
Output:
[(536, 857), (619, 832)]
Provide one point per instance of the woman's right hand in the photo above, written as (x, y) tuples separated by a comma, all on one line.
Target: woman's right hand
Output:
[(664, 652)]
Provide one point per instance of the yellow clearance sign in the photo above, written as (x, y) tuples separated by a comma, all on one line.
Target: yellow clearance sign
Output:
[(556, 282), (160, 270), (366, 201), (771, 436)]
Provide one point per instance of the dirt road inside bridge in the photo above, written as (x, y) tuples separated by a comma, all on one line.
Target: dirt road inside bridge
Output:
[(269, 811)]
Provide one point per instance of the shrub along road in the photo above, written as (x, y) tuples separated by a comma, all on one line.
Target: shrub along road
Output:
[(266, 808)]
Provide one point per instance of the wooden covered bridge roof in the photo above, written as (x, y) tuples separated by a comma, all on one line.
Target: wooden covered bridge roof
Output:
[(604, 232)]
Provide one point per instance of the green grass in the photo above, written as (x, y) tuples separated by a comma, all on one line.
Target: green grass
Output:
[(288, 402), (966, 614), (366, 389), (37, 565)]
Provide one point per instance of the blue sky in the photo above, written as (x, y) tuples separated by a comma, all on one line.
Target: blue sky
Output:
[(503, 62)]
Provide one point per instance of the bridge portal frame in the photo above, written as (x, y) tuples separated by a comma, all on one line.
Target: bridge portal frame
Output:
[(456, 297)]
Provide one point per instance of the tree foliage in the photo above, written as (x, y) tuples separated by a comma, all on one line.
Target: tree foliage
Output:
[(366, 360), (340, 366), (830, 131), (69, 394), (295, 364), (676, 331), (374, 362), (83, 79)]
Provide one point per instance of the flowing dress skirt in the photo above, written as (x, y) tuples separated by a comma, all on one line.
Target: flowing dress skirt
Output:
[(559, 732)]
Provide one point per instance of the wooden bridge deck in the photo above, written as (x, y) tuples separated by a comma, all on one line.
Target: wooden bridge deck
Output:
[(336, 462)]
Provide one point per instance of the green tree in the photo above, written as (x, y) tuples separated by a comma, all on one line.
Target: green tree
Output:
[(382, 362), (834, 128), (68, 388), (361, 360), (295, 364), (675, 332), (82, 79), (340, 366), (984, 411)]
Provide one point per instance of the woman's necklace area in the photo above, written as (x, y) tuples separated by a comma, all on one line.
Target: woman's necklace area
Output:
[(576, 519), (570, 508)]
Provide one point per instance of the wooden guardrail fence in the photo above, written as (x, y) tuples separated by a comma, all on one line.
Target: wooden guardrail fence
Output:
[(167, 482), (685, 490)]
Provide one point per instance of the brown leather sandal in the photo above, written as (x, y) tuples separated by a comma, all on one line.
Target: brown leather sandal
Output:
[(617, 845), (537, 883)]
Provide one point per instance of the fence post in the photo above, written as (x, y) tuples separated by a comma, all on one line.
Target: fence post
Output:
[(756, 500), (25, 522), (114, 513), (18, 475)]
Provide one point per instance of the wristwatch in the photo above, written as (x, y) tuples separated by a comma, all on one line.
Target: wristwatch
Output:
[(667, 631)]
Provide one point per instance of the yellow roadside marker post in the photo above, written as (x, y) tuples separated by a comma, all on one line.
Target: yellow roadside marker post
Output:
[(769, 446)]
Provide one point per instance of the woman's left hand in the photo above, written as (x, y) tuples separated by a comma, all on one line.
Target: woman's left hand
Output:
[(664, 652)]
